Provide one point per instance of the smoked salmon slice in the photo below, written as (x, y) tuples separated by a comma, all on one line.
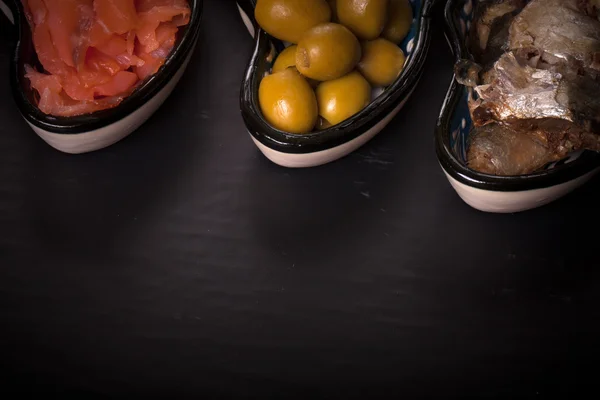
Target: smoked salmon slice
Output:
[(117, 16), (69, 22), (95, 52)]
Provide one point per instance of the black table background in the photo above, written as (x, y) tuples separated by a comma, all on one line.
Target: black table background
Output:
[(180, 261)]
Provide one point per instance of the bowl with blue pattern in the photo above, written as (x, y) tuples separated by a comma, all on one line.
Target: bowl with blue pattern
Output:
[(324, 146), (490, 193)]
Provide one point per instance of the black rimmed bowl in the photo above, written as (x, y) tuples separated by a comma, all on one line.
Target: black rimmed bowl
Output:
[(499, 194), (94, 131), (296, 151)]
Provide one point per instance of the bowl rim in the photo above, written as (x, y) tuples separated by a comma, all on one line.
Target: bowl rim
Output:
[(102, 118), (587, 162), (351, 128)]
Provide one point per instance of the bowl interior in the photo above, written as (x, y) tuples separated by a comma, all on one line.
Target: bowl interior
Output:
[(27, 98), (268, 48), (460, 123)]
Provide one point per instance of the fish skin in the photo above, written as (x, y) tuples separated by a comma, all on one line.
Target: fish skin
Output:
[(489, 18), (487, 40), (558, 31), (523, 92)]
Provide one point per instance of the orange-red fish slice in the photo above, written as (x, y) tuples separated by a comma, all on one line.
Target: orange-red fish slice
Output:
[(166, 33), (114, 46), (46, 52), (76, 89), (156, 36), (146, 35), (165, 48), (48, 87), (69, 22), (130, 42), (40, 81), (94, 52), (53, 100), (36, 11), (99, 61), (98, 34), (164, 11), (119, 48), (126, 60), (152, 13), (150, 67), (120, 83), (118, 16), (61, 105)]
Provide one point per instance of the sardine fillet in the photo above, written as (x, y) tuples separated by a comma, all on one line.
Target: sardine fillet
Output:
[(559, 31), (521, 92), (489, 12), (505, 150), (499, 150)]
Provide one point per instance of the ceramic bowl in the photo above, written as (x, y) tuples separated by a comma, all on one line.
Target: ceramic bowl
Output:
[(296, 151), (498, 194), (94, 131)]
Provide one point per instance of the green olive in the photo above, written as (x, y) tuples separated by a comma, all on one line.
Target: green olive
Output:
[(327, 51), (287, 20), (399, 21), (382, 61), (288, 102), (365, 18), (313, 83), (285, 59), (341, 98)]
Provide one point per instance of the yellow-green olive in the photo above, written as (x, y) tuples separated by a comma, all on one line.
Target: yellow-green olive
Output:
[(288, 102), (287, 20), (327, 51), (382, 61), (399, 21), (285, 59), (365, 18), (341, 98)]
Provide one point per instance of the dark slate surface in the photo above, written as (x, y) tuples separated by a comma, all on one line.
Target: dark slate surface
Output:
[(181, 262)]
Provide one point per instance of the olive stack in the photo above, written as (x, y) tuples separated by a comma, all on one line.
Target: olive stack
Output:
[(339, 50)]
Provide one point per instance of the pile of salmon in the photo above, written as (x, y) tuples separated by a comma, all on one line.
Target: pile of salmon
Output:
[(94, 53)]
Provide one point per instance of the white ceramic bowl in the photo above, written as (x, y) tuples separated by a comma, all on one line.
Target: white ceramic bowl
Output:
[(90, 132), (317, 148), (497, 194)]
